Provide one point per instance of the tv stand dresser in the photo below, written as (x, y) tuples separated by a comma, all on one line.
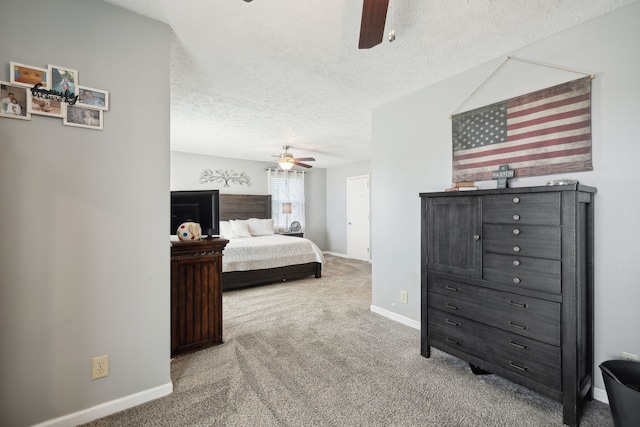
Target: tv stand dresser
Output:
[(507, 285), (196, 295)]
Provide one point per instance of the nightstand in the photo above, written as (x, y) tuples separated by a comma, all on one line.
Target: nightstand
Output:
[(292, 233)]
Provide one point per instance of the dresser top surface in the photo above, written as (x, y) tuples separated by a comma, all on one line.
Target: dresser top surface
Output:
[(517, 190), (198, 245)]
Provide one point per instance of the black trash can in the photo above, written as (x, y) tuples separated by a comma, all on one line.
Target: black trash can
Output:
[(622, 381)]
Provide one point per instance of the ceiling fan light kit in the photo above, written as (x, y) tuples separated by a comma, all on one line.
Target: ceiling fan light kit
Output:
[(286, 161)]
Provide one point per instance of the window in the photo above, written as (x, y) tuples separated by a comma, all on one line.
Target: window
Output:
[(287, 197)]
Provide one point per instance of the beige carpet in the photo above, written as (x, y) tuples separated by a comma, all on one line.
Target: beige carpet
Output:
[(311, 353)]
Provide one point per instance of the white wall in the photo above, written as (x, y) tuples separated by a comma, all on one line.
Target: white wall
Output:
[(84, 258), (419, 126), (337, 203), (187, 168)]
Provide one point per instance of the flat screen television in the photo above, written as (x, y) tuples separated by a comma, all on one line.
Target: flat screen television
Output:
[(201, 206)]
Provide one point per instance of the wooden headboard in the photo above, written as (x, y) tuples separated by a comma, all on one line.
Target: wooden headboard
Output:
[(244, 206)]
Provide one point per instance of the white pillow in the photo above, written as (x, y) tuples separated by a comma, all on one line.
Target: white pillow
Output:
[(240, 228), (261, 227), (225, 229)]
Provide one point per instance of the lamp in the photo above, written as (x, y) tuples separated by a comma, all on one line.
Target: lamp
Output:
[(286, 163), (286, 210)]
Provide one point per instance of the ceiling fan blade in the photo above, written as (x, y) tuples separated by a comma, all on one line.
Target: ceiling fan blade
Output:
[(304, 165), (306, 159), (374, 15)]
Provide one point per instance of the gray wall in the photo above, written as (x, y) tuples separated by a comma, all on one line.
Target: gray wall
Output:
[(337, 203), (185, 175), (84, 259), (419, 126)]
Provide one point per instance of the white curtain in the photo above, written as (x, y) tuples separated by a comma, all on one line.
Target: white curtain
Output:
[(286, 187)]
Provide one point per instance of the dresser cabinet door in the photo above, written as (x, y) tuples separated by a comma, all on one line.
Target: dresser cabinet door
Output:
[(197, 304), (453, 240)]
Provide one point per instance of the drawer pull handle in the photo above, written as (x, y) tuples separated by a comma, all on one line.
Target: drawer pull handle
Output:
[(516, 231), (522, 368), (452, 307), (476, 237), (516, 200), (520, 346), (516, 217), (518, 304), (516, 280), (516, 262), (452, 341), (515, 325), (451, 322), (451, 288), (516, 249)]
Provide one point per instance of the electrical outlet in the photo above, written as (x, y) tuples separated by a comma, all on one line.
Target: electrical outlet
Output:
[(628, 356), (404, 297), (100, 367)]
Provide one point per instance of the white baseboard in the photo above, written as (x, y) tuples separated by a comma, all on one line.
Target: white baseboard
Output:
[(108, 408), (398, 318), (335, 254), (599, 394), (343, 256)]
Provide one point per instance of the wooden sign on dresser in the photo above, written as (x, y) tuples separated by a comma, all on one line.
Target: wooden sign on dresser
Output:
[(507, 285)]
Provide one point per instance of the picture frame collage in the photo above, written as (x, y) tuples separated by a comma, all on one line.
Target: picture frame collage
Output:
[(55, 92)]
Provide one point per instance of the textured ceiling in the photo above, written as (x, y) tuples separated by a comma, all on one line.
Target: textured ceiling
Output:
[(250, 77)]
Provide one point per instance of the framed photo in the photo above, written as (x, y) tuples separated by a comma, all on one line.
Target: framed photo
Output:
[(63, 79), (94, 98), (83, 117), (28, 75), (44, 107), (14, 101)]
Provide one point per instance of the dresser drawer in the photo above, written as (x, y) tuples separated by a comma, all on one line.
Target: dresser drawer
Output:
[(523, 272), (526, 240), (523, 356), (538, 208), (526, 316)]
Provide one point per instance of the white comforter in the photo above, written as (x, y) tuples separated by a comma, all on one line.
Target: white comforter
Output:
[(257, 253)]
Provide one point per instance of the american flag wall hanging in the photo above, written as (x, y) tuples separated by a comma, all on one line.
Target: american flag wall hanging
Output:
[(540, 133)]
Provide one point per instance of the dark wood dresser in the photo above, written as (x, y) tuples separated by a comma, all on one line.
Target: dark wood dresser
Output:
[(196, 295), (507, 285)]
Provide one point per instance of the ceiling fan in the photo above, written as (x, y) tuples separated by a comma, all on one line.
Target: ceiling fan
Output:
[(374, 15), (286, 160)]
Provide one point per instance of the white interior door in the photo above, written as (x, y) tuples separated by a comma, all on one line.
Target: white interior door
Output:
[(358, 218)]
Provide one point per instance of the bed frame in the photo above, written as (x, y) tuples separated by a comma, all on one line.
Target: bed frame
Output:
[(245, 206)]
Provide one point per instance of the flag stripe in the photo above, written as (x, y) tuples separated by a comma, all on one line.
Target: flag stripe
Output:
[(537, 119), (571, 164), (523, 141), (551, 94), (550, 130), (484, 172), (508, 148), (529, 156), (516, 112)]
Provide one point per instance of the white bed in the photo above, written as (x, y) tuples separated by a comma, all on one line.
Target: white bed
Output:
[(261, 252), (256, 254)]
